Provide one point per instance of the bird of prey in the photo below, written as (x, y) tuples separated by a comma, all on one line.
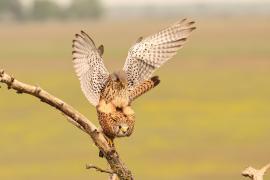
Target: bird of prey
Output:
[(112, 94)]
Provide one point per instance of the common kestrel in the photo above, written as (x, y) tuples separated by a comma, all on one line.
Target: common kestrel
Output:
[(112, 94)]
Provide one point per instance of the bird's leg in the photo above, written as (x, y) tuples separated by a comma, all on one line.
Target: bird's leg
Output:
[(110, 141)]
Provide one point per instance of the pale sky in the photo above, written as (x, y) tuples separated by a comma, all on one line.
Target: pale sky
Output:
[(145, 2)]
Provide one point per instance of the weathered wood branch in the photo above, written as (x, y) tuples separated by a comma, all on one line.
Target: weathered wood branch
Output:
[(255, 174), (116, 164), (91, 166)]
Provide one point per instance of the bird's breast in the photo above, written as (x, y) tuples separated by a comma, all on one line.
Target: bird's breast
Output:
[(120, 101), (106, 108)]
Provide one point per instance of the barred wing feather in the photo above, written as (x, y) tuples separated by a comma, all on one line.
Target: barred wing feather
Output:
[(89, 67), (149, 54)]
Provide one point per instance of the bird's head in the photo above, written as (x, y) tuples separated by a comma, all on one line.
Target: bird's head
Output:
[(122, 126), (120, 77), (123, 129)]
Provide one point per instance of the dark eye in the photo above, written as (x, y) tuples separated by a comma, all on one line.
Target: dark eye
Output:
[(119, 126)]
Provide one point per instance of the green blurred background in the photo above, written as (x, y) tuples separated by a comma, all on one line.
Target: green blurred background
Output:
[(208, 119)]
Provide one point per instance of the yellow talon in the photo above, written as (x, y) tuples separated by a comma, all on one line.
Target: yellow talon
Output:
[(110, 141)]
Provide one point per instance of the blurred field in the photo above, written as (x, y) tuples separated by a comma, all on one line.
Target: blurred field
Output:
[(208, 119)]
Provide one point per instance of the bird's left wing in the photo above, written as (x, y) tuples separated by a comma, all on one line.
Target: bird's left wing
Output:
[(150, 53), (89, 67)]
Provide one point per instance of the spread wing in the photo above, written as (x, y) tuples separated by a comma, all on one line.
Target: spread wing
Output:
[(89, 66), (149, 54)]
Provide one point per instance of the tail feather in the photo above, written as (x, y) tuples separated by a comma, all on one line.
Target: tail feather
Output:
[(143, 87), (155, 80)]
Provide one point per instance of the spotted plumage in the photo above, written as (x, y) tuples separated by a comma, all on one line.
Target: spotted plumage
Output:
[(112, 94), (114, 113)]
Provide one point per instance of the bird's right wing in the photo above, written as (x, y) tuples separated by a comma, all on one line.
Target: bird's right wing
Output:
[(89, 67)]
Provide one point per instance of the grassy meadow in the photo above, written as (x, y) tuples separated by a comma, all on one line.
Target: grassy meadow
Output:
[(208, 119)]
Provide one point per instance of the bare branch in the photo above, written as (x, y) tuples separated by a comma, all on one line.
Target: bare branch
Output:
[(113, 177), (255, 174), (265, 168), (75, 118), (91, 166)]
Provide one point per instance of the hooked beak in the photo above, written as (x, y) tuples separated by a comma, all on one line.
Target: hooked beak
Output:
[(124, 129)]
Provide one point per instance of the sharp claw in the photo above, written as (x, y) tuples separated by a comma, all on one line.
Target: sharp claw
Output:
[(110, 141)]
